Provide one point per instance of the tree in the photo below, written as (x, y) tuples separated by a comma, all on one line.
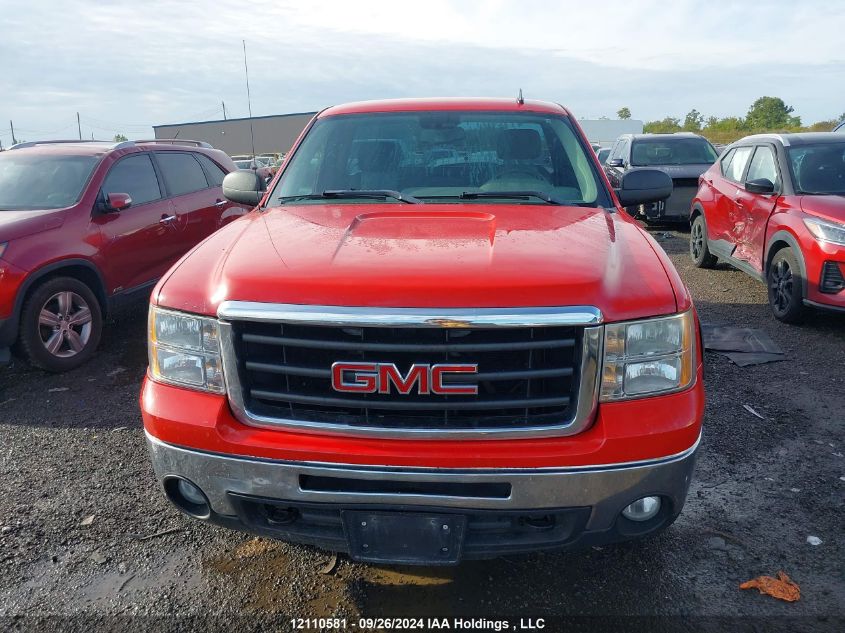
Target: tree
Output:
[(624, 112), (771, 113), (119, 138), (666, 126), (693, 121)]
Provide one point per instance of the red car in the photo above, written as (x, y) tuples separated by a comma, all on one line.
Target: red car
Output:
[(438, 337), (87, 225), (774, 207)]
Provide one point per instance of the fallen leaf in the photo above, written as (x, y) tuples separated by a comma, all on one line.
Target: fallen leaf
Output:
[(87, 520), (781, 587), (329, 566)]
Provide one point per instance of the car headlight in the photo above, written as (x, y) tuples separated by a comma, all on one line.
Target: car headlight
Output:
[(648, 357), (184, 350), (825, 231)]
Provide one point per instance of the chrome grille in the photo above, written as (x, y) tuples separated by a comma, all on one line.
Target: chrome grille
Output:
[(530, 378)]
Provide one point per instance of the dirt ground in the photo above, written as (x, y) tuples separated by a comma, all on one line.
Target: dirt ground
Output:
[(87, 539)]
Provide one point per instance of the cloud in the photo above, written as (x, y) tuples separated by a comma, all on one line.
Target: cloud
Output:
[(126, 65)]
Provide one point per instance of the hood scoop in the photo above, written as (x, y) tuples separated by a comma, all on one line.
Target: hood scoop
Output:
[(413, 236)]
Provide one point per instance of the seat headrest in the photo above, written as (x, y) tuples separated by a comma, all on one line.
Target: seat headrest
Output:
[(519, 144), (378, 155)]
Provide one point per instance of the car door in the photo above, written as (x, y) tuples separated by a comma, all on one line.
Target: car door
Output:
[(224, 210), (727, 185), (140, 243), (197, 204), (754, 209)]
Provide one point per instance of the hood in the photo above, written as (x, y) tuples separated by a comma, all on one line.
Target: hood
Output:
[(17, 224), (826, 207), (470, 255)]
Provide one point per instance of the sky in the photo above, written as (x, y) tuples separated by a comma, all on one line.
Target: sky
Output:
[(125, 65)]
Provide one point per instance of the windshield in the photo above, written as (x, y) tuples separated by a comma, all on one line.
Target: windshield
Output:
[(672, 151), (443, 157), (819, 168), (36, 181)]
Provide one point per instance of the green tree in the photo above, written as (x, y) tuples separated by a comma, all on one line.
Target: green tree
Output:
[(771, 113), (693, 121), (119, 138), (666, 126), (624, 112)]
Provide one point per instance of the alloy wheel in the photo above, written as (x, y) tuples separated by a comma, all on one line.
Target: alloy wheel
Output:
[(782, 285), (64, 324), (697, 240)]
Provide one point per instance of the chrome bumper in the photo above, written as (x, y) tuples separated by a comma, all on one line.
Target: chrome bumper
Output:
[(607, 489)]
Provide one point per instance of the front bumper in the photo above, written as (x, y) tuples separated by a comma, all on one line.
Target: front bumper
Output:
[(507, 510)]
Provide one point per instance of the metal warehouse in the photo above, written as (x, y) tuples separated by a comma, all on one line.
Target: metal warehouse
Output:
[(275, 133)]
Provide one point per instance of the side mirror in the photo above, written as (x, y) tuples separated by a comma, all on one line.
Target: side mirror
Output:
[(760, 185), (641, 186), (244, 187), (118, 202), (615, 162)]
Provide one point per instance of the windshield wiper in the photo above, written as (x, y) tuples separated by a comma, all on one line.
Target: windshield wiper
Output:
[(330, 194), (516, 195)]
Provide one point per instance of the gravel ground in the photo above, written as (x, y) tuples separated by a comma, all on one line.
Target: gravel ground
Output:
[(85, 532)]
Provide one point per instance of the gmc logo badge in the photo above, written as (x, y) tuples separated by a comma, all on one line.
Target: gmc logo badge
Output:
[(382, 377)]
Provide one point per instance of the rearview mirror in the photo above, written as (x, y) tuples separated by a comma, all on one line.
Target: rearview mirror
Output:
[(615, 162), (760, 185), (118, 201), (244, 187), (641, 186)]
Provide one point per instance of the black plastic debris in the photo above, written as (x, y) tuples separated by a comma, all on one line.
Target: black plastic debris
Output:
[(743, 346)]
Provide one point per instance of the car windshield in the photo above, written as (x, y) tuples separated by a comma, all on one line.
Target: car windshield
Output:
[(440, 156), (38, 181), (672, 151), (819, 168)]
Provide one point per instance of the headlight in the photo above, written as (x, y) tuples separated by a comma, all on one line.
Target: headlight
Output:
[(826, 231), (185, 350), (643, 358)]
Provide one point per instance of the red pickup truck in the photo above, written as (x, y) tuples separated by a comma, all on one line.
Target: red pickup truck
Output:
[(437, 337)]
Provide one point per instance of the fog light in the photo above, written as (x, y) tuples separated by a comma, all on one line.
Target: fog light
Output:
[(642, 509), (191, 493)]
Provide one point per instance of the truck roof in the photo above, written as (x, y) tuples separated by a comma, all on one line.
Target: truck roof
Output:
[(445, 104)]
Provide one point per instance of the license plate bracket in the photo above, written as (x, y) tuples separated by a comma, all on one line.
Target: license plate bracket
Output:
[(412, 538)]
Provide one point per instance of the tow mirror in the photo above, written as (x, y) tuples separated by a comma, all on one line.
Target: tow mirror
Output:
[(760, 185), (244, 187), (615, 162), (641, 186), (118, 201)]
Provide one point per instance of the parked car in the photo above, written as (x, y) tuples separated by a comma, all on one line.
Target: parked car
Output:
[(602, 155), (683, 156), (85, 226), (420, 362), (774, 207), (256, 164)]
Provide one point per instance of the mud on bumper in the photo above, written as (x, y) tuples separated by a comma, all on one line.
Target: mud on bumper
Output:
[(496, 512)]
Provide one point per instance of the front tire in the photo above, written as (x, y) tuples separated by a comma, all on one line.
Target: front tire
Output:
[(698, 249), (61, 325), (786, 287)]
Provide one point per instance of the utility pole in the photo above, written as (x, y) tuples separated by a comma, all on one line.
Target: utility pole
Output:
[(79, 126), (224, 110), (12, 125)]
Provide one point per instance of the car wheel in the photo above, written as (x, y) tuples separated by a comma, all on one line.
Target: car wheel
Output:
[(786, 287), (698, 249), (61, 324)]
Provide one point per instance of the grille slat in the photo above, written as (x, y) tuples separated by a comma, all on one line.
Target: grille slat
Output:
[(527, 376), (416, 404), (403, 347), (503, 375)]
